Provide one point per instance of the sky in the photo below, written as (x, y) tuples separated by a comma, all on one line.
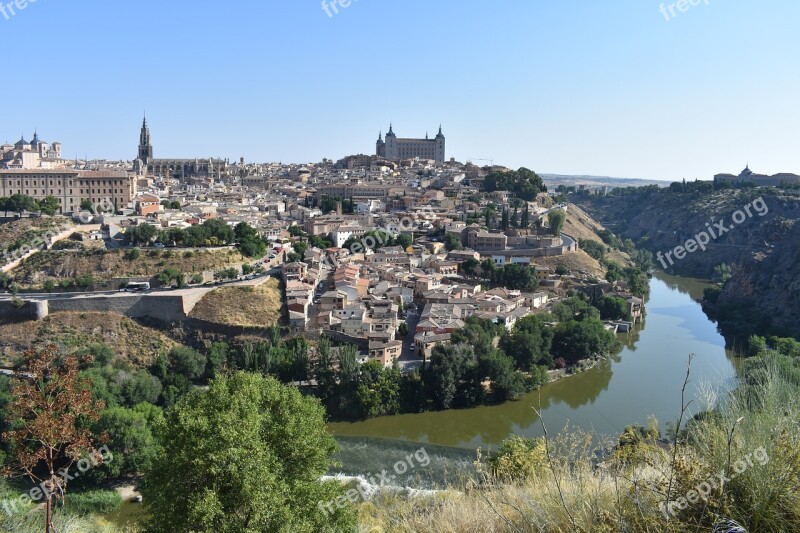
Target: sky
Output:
[(570, 87)]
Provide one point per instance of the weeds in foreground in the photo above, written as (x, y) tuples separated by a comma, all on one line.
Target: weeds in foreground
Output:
[(737, 463)]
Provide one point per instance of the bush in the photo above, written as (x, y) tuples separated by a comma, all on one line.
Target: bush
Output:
[(517, 460), (187, 362), (93, 502), (134, 254)]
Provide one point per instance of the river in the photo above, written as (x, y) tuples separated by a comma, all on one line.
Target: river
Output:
[(643, 379)]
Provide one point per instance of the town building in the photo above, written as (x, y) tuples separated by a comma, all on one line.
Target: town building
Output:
[(30, 155), (103, 188)]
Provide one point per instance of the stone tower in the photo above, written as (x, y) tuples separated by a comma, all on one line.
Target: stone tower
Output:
[(440, 146), (145, 147)]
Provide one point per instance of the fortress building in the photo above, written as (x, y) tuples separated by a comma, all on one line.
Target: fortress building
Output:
[(395, 148), (748, 176)]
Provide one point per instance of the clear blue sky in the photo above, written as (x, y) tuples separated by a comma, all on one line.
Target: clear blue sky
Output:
[(579, 87)]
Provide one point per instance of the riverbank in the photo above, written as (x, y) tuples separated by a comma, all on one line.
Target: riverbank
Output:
[(626, 388)]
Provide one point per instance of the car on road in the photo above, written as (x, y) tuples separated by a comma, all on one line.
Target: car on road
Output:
[(159, 245)]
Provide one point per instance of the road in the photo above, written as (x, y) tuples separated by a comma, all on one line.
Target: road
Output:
[(408, 359)]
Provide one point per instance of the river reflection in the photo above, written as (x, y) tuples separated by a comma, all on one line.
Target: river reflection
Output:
[(644, 379)]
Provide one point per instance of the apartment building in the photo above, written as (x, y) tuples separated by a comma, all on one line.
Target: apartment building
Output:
[(104, 188)]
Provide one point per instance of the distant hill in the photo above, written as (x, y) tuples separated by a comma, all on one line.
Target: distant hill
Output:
[(555, 180)]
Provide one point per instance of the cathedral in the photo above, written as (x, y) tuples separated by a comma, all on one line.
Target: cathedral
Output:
[(395, 149), (178, 168)]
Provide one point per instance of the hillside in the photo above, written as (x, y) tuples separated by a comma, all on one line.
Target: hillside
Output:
[(74, 331), (581, 226), (105, 265), (764, 289), (17, 233), (251, 307)]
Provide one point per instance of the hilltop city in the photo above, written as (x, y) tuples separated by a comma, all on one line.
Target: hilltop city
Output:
[(392, 252)]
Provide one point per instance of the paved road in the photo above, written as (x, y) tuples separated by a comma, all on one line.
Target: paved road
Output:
[(408, 359)]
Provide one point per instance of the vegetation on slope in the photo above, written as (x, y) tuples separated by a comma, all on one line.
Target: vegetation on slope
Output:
[(73, 331), (104, 265)]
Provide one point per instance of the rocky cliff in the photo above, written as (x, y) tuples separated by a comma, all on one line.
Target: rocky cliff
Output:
[(755, 231)]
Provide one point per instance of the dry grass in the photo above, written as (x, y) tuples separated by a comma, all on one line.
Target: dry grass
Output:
[(574, 262), (253, 307), (75, 331)]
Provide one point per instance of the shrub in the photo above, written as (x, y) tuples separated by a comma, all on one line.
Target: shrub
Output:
[(517, 460), (132, 255), (93, 502)]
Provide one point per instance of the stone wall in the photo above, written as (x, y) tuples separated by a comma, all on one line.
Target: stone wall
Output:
[(29, 310), (167, 308)]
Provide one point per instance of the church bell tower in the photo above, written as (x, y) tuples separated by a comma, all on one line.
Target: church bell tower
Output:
[(145, 147)]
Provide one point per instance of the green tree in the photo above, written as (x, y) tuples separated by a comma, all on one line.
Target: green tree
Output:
[(141, 234), (187, 362), (529, 343), (49, 205), (576, 340), (21, 203), (130, 436), (217, 357), (526, 217), (139, 386), (453, 242), (404, 240), (470, 266), (557, 219), (87, 205), (402, 330), (722, 273), (246, 455)]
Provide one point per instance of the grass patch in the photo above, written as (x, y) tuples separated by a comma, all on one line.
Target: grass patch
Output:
[(93, 502), (256, 307)]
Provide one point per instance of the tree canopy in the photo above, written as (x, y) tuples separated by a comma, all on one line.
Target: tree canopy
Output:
[(244, 456), (525, 183)]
